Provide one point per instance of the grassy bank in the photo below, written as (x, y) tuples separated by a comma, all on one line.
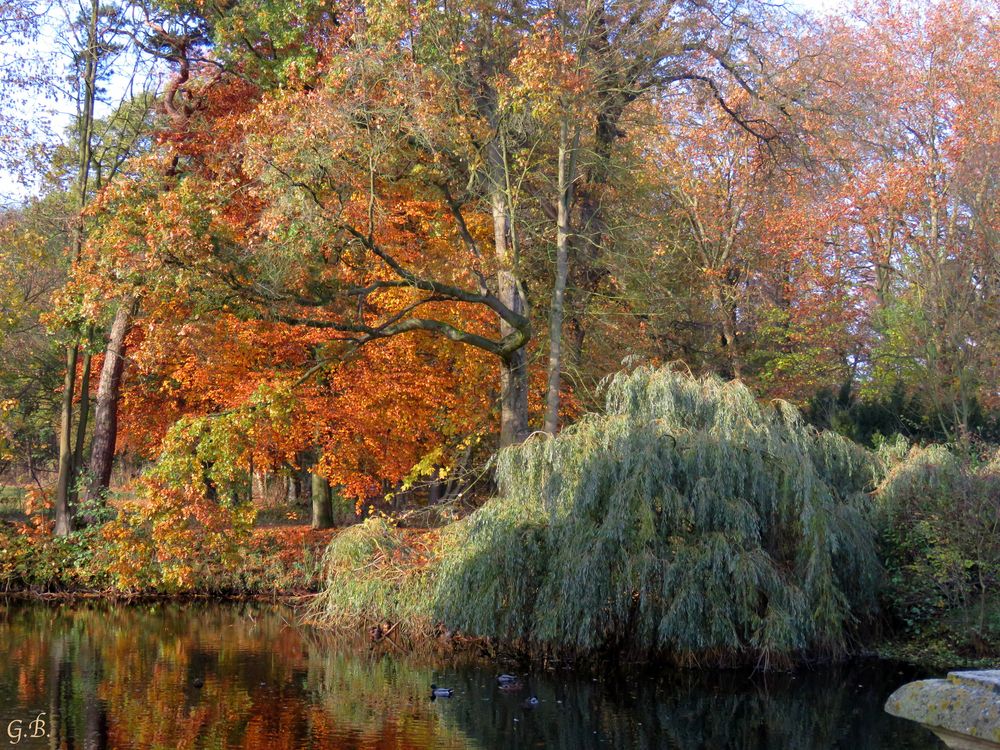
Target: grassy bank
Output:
[(378, 579)]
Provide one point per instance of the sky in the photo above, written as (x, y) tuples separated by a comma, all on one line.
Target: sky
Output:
[(53, 108), (56, 108)]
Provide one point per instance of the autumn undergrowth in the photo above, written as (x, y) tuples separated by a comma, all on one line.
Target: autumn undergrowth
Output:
[(266, 562), (686, 520), (939, 538)]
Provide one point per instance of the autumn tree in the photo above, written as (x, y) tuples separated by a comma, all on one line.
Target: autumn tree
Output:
[(926, 204), (703, 181), (33, 271), (891, 259), (92, 35), (623, 72), (441, 113)]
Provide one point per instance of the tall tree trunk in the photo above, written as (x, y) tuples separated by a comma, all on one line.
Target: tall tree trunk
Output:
[(63, 513), (577, 335), (514, 366), (617, 87), (102, 447), (83, 420), (567, 175), (303, 485), (64, 480), (322, 503)]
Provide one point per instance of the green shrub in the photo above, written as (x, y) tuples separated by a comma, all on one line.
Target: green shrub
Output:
[(939, 521), (498, 556), (40, 562)]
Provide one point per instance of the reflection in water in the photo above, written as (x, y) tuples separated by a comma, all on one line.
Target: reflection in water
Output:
[(241, 676)]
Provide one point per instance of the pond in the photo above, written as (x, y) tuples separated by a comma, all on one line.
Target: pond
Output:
[(201, 675)]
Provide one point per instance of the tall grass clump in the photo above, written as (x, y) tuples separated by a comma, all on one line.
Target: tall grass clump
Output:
[(686, 519), (373, 574)]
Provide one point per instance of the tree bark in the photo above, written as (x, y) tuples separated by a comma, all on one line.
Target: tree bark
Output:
[(63, 512), (303, 486), (82, 421), (727, 323), (64, 480), (567, 175), (617, 87), (322, 503), (102, 447), (577, 335), (513, 399), (514, 366)]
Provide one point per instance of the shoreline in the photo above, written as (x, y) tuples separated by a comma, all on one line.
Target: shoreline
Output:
[(893, 651), (289, 598)]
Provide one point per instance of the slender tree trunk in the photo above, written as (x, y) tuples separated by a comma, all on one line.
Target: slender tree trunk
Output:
[(618, 86), (513, 399), (578, 333), (63, 513), (82, 421), (102, 447), (303, 486), (322, 503), (567, 175)]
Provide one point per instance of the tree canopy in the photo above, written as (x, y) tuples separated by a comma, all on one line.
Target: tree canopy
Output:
[(377, 242)]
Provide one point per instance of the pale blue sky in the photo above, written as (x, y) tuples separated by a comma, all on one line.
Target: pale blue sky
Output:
[(54, 108)]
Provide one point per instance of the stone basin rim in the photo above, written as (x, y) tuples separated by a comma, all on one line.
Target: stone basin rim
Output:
[(963, 709)]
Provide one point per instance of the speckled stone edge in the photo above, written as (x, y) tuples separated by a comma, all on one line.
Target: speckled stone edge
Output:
[(966, 703)]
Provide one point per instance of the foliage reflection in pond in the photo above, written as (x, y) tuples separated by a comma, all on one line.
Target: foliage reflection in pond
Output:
[(243, 676)]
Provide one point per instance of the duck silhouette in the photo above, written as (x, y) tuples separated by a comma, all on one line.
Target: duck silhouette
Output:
[(441, 692)]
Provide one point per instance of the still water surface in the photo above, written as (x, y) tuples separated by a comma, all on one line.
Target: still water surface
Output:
[(244, 676)]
